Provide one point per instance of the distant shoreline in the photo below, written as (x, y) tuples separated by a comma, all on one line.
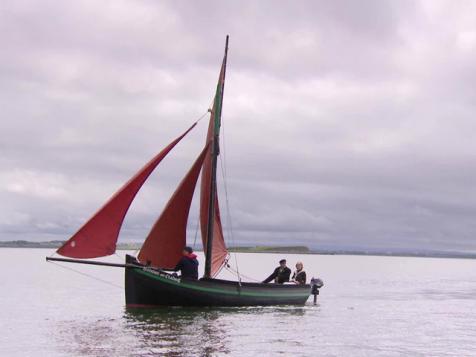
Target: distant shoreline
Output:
[(266, 249)]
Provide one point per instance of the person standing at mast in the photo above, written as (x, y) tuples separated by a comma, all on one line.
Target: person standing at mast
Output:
[(188, 264)]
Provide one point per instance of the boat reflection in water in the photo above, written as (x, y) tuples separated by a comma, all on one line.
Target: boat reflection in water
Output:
[(195, 331), (178, 331), (181, 331)]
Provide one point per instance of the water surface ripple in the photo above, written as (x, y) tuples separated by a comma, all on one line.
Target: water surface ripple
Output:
[(370, 306)]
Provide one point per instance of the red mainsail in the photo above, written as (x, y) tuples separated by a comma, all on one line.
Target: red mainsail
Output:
[(168, 236), (98, 236), (219, 251)]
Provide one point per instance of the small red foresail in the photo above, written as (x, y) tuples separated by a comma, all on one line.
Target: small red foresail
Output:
[(98, 236), (168, 236), (219, 250)]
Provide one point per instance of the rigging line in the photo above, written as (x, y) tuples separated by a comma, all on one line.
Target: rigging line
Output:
[(223, 171), (228, 213), (219, 271), (231, 270), (198, 217), (225, 180), (202, 116), (211, 105), (86, 275), (224, 174)]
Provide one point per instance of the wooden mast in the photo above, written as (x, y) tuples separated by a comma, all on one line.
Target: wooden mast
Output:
[(215, 151)]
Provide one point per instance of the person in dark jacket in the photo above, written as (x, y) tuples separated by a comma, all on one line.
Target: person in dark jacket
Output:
[(299, 276), (188, 264), (281, 274)]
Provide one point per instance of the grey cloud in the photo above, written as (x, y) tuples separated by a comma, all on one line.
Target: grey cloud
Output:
[(346, 124)]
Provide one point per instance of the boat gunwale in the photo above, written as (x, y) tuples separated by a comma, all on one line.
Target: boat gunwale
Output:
[(260, 285)]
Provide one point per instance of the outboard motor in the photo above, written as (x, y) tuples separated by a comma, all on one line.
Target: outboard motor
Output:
[(316, 284)]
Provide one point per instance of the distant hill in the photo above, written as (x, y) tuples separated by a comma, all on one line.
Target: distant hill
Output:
[(298, 249), (270, 249), (28, 244), (56, 244), (134, 246)]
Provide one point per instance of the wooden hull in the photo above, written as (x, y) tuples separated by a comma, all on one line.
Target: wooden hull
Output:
[(147, 287)]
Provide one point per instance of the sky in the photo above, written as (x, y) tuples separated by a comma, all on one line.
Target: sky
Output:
[(346, 124)]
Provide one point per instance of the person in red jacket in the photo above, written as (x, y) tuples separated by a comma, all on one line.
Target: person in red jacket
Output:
[(188, 264)]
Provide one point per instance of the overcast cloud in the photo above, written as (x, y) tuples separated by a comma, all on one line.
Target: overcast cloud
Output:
[(346, 123)]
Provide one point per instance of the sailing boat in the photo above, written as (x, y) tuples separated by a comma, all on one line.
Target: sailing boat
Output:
[(146, 281)]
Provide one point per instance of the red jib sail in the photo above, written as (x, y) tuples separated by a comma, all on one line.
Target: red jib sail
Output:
[(98, 236), (219, 251), (166, 240)]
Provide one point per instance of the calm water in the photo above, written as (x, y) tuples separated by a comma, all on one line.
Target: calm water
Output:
[(370, 306)]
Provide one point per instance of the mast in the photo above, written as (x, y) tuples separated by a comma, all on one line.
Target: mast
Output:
[(215, 151)]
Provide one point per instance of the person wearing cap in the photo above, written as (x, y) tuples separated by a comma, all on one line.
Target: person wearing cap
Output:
[(299, 276), (188, 264), (281, 274)]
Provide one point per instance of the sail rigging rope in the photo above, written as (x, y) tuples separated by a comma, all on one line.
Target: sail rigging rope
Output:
[(87, 275), (228, 212), (233, 271), (202, 116)]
